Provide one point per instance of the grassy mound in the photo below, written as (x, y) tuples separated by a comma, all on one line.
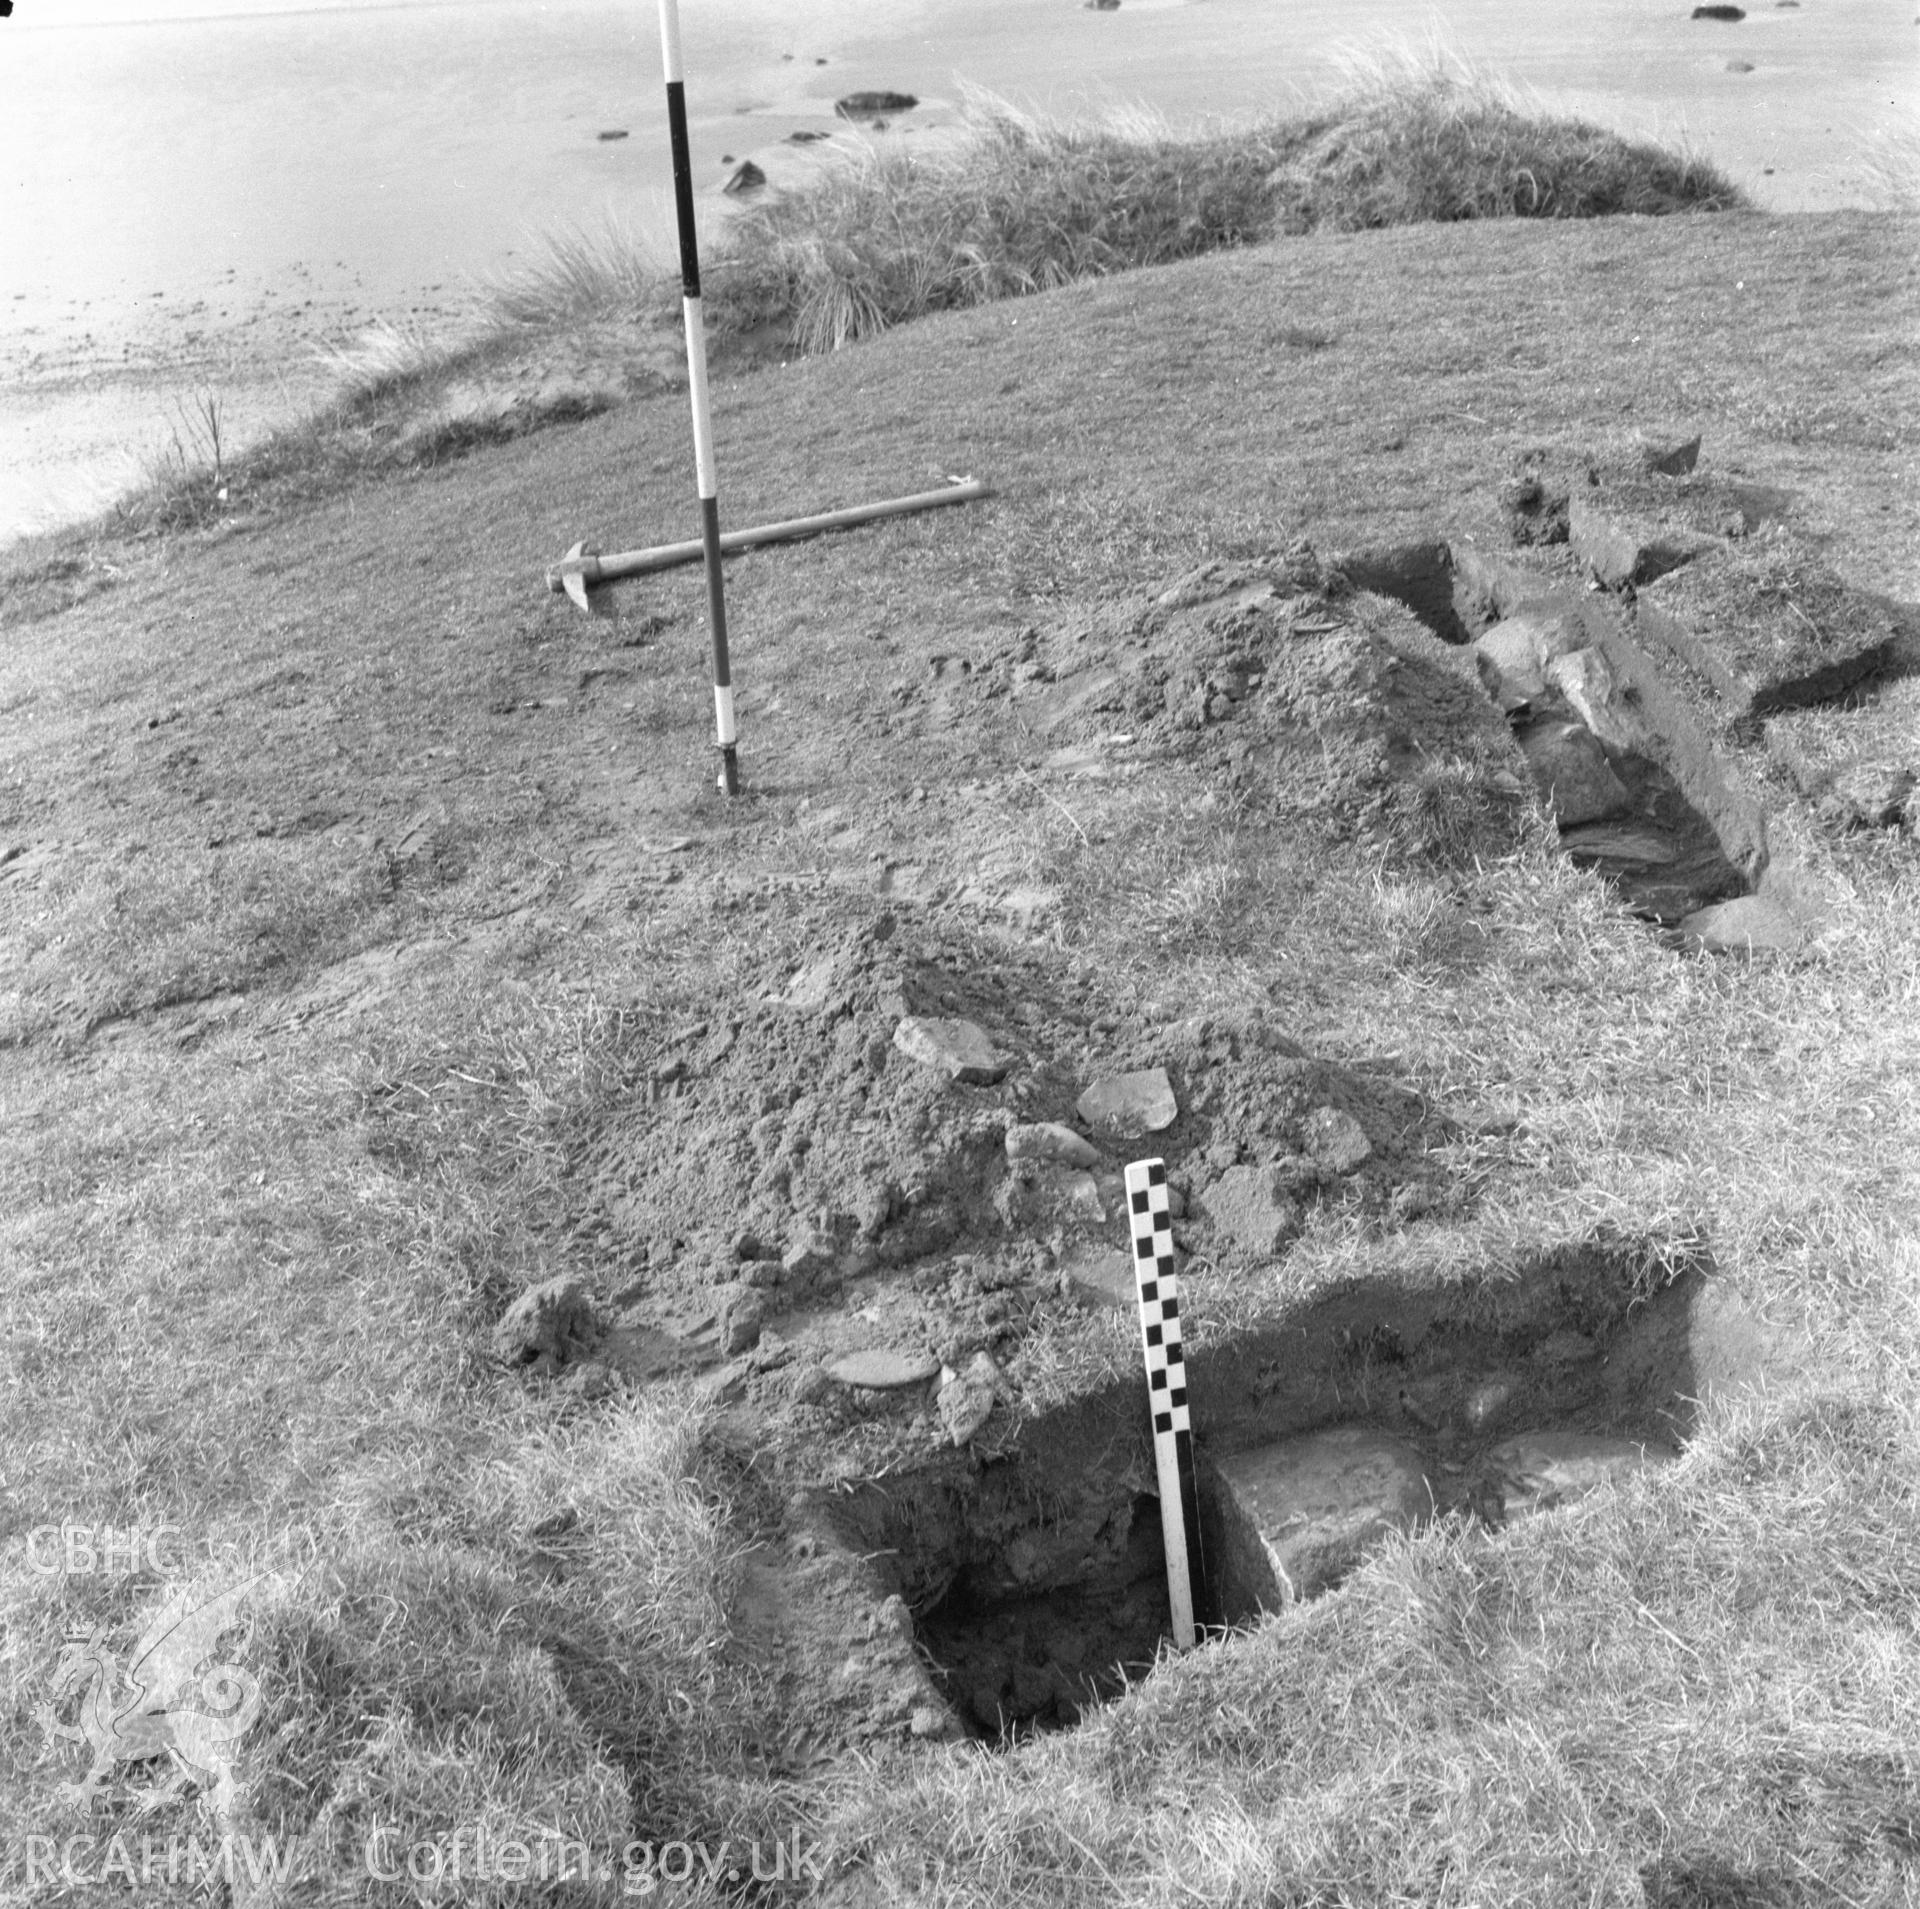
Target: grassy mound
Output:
[(1016, 205)]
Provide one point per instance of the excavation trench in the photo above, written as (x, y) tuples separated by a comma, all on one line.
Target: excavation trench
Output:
[(1642, 795), (1036, 1583)]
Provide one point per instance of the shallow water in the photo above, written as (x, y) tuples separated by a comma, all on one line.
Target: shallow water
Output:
[(200, 193)]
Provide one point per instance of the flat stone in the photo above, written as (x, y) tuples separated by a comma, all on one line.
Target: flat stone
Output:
[(1621, 547), (958, 1049), (883, 1368), (1571, 771), (1300, 1514), (1337, 1141), (1125, 1106), (1253, 1208), (1610, 842), (1768, 625), (1539, 1470), (1049, 1140), (1748, 924)]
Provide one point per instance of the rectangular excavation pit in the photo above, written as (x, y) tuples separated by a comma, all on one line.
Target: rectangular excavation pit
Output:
[(1035, 1584)]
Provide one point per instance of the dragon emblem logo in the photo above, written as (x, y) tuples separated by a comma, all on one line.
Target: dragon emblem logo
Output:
[(175, 1699)]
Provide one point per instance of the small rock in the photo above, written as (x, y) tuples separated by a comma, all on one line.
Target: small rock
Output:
[(1572, 773), (1337, 1141), (750, 1246), (614, 132), (966, 1398), (1048, 1140), (747, 177), (1101, 6), (1542, 1469), (809, 1256), (552, 1323), (1102, 1279), (1126, 1106), (1739, 66), (883, 1369), (872, 105), (1669, 460), (930, 1723), (1253, 1208), (742, 1311), (957, 1049), (1719, 13), (1746, 925)]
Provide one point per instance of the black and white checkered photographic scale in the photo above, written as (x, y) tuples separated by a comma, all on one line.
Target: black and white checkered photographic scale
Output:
[(1159, 1288)]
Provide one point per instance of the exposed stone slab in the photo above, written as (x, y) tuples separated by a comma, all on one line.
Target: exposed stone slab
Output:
[(1618, 845), (1749, 924), (1768, 625), (1539, 1470), (1296, 1516), (957, 1049), (1572, 773), (884, 1369)]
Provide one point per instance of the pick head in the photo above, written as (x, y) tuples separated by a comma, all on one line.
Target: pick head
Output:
[(571, 579)]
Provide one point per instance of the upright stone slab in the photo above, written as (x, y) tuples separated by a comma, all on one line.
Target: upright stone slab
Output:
[(1291, 1519)]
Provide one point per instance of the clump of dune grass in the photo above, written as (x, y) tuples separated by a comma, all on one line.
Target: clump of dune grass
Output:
[(582, 274), (1014, 204), (1428, 138)]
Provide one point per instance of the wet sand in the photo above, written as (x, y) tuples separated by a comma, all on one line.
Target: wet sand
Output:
[(282, 181)]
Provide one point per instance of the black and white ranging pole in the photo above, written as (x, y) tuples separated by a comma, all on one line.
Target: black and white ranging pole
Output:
[(1151, 1215), (697, 387)]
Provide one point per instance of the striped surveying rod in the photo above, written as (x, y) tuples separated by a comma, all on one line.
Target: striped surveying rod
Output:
[(697, 387), (1152, 1220)]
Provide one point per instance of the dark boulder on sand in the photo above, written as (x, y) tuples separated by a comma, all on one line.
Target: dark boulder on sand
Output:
[(748, 178), (872, 105), (1719, 13)]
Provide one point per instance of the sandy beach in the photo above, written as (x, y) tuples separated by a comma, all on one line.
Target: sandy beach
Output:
[(203, 204)]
